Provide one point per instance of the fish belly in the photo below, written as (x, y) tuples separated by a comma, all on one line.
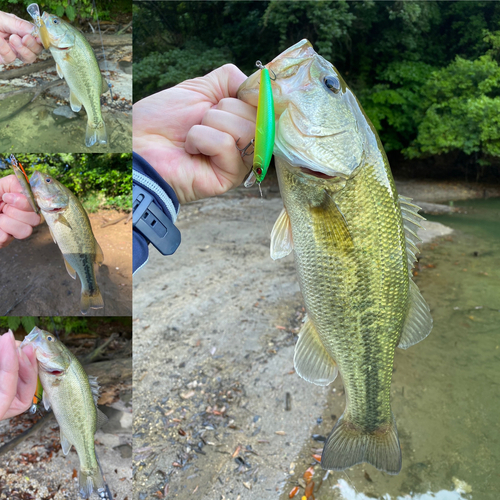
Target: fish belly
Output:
[(356, 289)]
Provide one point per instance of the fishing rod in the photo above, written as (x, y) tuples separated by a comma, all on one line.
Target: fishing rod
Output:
[(103, 52)]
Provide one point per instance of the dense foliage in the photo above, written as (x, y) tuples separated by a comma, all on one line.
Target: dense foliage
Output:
[(72, 9), (426, 73), (99, 180)]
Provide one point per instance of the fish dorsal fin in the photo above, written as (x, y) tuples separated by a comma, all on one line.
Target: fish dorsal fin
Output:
[(312, 361), (74, 102), (412, 222), (46, 400), (99, 256), (70, 270), (418, 322), (94, 386), (65, 444), (59, 71), (330, 224), (281, 236)]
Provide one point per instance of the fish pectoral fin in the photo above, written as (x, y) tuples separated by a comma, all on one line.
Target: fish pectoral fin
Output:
[(65, 444), (63, 220), (312, 361), (46, 400), (59, 71), (101, 418), (74, 102), (330, 224), (418, 322), (70, 270), (281, 236), (99, 256)]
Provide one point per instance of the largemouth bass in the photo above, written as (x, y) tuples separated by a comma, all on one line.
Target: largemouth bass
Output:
[(71, 230), (77, 64), (354, 241), (73, 395)]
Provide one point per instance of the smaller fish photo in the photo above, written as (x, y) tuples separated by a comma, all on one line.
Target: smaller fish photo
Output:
[(97, 84), (65, 407), (47, 193)]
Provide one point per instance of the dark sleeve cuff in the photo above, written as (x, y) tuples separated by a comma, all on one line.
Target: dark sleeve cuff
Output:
[(155, 209)]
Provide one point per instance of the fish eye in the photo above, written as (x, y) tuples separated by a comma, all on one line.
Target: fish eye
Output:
[(47, 179), (332, 84), (56, 21), (50, 338)]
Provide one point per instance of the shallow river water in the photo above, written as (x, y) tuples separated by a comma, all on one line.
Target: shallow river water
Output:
[(445, 390)]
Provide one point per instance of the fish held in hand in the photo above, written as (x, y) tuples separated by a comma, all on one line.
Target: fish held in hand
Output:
[(71, 230), (73, 395), (77, 64), (354, 242)]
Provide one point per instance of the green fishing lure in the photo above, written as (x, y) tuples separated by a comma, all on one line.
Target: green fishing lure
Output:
[(264, 129)]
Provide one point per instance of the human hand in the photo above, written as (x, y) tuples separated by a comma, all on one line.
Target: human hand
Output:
[(16, 40), (188, 133), (17, 218), (18, 375)]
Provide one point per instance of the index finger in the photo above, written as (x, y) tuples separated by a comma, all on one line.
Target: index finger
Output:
[(10, 23), (10, 184)]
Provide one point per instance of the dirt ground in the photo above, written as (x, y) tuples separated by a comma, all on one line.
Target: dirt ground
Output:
[(34, 280), (218, 411)]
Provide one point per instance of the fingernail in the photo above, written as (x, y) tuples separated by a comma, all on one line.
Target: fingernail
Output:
[(9, 198)]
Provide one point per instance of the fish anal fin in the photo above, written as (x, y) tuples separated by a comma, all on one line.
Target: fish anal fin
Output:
[(62, 220), (99, 256), (312, 361), (70, 269), (348, 445), (74, 102), (65, 444), (418, 323), (59, 70), (330, 224), (281, 236)]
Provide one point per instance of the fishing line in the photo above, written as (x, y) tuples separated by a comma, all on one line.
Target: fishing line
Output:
[(103, 53)]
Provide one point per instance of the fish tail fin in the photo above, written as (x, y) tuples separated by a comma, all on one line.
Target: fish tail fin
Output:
[(96, 135), (349, 445), (90, 481), (91, 300)]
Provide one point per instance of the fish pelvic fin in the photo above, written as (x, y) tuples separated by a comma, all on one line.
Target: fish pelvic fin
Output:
[(418, 323), (70, 269), (90, 481), (91, 300), (96, 135), (312, 361), (281, 236), (349, 445)]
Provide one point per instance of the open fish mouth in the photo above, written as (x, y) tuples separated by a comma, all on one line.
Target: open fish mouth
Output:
[(314, 173)]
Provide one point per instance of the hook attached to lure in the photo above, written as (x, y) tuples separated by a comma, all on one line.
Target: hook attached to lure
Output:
[(264, 129)]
